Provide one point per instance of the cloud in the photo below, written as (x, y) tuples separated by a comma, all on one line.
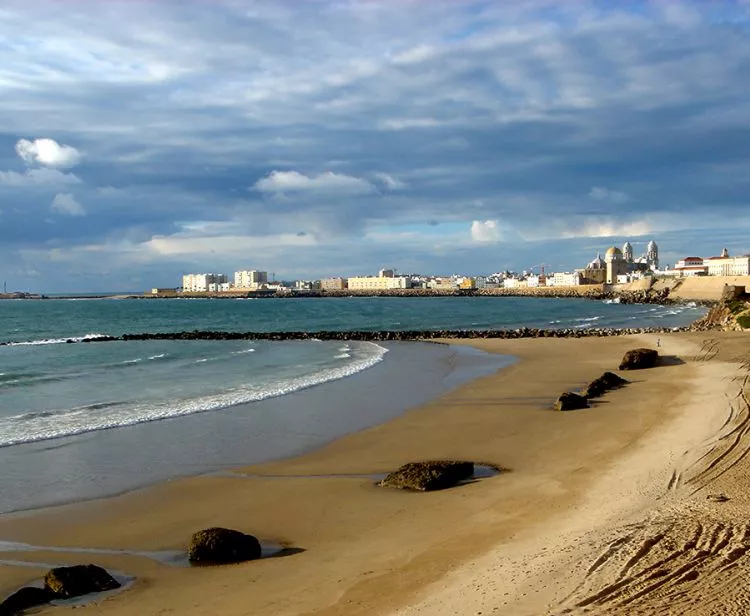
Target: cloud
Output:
[(552, 119), (612, 196), (389, 182), (65, 203), (47, 152), (485, 231), (37, 177), (610, 228), (328, 183)]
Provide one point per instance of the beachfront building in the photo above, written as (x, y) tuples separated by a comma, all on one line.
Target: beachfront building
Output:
[(724, 265), (250, 279), (442, 283), (378, 283), (615, 263), (534, 281), (334, 284), (202, 283), (566, 279), (691, 266)]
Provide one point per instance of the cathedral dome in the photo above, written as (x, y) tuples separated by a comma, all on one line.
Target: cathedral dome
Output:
[(613, 253)]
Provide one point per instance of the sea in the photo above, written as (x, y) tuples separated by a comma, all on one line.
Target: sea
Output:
[(82, 421)]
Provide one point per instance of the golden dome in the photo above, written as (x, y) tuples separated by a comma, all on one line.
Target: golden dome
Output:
[(611, 252)]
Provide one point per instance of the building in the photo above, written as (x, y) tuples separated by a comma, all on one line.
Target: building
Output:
[(333, 284), (595, 272), (616, 264), (250, 279), (536, 281), (691, 266), (627, 252), (386, 273), (724, 265), (565, 279), (378, 283), (652, 255), (202, 283)]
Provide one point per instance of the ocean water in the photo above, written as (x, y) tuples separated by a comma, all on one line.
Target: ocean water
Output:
[(86, 420)]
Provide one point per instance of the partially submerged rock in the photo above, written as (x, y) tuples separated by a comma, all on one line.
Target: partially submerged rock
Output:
[(67, 582), (605, 383), (571, 402), (222, 546), (638, 359), (25, 599), (429, 476)]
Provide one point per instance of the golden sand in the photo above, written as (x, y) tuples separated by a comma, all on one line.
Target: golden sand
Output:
[(590, 502)]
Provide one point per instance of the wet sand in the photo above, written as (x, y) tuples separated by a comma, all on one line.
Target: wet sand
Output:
[(512, 544)]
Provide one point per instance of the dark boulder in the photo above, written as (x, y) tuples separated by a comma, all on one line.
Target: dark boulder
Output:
[(638, 359), (600, 386), (24, 599), (221, 546), (571, 402), (66, 582), (428, 476)]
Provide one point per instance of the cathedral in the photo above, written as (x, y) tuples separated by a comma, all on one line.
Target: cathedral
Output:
[(619, 262)]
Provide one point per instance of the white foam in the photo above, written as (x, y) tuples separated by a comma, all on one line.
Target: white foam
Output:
[(342, 356), (159, 356), (243, 351), (84, 420), (57, 340)]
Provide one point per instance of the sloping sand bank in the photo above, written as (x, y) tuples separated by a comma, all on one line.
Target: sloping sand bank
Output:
[(554, 533)]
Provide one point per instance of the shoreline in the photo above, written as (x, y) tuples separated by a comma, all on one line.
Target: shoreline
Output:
[(367, 538), (273, 428)]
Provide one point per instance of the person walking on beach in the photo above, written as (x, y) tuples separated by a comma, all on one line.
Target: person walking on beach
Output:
[(658, 342)]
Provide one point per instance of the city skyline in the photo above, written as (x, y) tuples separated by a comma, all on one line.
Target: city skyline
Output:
[(140, 141)]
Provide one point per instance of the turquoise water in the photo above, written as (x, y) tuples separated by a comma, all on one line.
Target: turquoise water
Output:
[(24, 320), (85, 420)]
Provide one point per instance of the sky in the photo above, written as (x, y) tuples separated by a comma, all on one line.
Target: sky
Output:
[(144, 139)]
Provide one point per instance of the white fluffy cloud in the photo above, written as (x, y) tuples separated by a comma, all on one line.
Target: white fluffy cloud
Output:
[(599, 193), (65, 203), (328, 182), (37, 177), (485, 231), (47, 152)]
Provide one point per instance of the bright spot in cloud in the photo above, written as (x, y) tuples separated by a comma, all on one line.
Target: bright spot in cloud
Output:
[(328, 182), (610, 228), (47, 152), (485, 231), (65, 203)]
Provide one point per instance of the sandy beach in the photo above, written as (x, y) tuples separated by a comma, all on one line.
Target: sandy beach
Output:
[(602, 510)]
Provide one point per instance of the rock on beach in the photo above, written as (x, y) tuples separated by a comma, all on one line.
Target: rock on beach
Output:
[(222, 546)]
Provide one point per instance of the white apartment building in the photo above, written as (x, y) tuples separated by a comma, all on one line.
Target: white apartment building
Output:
[(250, 279), (728, 266), (566, 279), (373, 283), (201, 283)]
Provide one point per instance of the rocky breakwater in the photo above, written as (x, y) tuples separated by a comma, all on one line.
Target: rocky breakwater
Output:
[(389, 335)]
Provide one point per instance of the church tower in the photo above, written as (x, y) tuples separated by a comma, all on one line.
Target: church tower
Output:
[(627, 252), (652, 255)]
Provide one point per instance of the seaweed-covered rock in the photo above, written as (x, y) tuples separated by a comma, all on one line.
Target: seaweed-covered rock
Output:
[(600, 386), (570, 402), (428, 476), (23, 599), (221, 546), (66, 582), (638, 359)]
